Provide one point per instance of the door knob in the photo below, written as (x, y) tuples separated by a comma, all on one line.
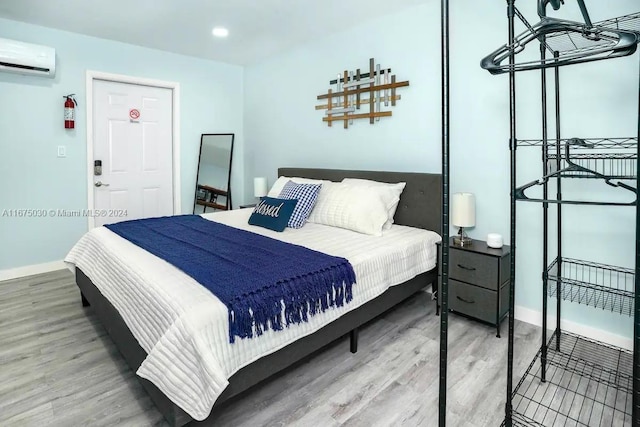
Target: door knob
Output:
[(100, 184)]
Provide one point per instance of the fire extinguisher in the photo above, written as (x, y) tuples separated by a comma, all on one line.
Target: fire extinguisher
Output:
[(69, 111)]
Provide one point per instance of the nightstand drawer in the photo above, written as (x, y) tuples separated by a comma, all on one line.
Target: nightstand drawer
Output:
[(474, 268), (478, 274), (477, 302)]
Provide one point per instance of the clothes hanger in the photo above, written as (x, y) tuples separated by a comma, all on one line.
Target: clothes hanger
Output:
[(620, 43), (555, 4), (608, 42), (574, 167), (542, 6)]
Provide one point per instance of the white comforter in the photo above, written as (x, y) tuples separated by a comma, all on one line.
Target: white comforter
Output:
[(184, 328)]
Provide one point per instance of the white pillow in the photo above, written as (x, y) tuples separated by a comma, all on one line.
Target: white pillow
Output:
[(346, 206), (389, 193), (277, 187)]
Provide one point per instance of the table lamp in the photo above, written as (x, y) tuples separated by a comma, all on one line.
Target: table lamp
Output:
[(463, 214), (260, 187)]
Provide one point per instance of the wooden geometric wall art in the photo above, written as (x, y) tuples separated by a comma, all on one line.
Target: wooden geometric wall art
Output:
[(345, 102)]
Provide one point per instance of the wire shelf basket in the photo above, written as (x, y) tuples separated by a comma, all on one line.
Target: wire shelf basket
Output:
[(614, 157), (613, 165), (595, 143), (587, 384), (597, 285), (613, 160), (629, 22), (571, 43)]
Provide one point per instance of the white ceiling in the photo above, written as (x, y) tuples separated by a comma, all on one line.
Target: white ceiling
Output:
[(257, 28)]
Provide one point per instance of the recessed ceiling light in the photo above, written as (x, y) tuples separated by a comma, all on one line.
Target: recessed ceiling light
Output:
[(220, 32)]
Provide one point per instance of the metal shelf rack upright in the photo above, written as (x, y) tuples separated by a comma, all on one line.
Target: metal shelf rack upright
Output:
[(574, 380)]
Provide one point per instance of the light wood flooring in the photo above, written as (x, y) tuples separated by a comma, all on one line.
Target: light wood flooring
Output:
[(58, 367)]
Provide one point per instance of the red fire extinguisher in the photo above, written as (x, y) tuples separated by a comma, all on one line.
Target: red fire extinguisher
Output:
[(69, 111)]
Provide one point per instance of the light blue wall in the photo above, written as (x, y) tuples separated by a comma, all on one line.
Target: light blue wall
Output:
[(31, 128), (601, 99), (282, 128)]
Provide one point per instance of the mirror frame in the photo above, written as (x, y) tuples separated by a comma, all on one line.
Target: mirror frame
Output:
[(195, 194)]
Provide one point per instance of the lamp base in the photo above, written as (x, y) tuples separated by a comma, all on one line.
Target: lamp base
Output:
[(462, 241)]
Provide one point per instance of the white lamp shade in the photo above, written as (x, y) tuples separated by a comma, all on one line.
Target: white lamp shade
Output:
[(463, 210), (260, 187)]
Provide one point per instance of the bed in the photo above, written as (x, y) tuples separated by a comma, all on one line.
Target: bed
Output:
[(419, 207)]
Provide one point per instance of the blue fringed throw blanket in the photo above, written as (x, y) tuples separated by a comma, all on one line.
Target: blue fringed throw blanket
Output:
[(253, 275)]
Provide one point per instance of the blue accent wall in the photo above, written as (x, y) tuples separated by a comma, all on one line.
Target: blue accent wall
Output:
[(31, 128), (282, 128)]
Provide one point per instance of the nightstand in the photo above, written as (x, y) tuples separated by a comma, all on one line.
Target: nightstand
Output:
[(478, 281)]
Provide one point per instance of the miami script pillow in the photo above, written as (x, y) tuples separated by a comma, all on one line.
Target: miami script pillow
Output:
[(273, 213)]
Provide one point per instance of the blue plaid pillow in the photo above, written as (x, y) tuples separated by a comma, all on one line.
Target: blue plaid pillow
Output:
[(306, 194)]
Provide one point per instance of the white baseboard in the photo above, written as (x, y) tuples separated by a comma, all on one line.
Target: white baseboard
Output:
[(30, 270), (535, 318)]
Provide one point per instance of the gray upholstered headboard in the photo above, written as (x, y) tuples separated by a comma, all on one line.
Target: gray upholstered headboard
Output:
[(420, 203)]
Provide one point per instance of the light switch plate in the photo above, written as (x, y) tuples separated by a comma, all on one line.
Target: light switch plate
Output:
[(62, 151)]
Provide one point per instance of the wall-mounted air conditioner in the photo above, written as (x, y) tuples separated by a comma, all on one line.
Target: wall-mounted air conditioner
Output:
[(26, 58)]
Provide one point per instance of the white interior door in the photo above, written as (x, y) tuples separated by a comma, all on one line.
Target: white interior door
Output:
[(132, 137)]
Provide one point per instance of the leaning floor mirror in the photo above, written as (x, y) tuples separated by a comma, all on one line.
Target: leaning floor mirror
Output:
[(213, 185)]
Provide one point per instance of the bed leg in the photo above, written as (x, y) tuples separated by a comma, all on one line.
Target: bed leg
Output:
[(353, 338), (85, 302)]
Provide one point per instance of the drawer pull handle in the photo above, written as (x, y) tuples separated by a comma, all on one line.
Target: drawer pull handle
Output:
[(467, 268), (464, 300)]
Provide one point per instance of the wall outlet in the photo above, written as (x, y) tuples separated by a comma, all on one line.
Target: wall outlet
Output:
[(62, 151)]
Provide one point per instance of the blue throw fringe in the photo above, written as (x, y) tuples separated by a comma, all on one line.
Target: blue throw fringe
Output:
[(265, 283)]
